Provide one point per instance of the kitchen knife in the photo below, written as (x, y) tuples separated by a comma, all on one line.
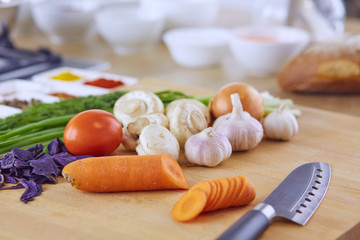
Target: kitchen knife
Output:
[(296, 199)]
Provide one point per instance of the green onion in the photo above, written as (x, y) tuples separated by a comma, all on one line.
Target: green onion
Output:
[(42, 136), (36, 126)]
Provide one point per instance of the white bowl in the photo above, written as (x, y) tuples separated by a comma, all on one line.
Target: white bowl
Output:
[(130, 29), (9, 11), (65, 20), (263, 50), (197, 47), (185, 13)]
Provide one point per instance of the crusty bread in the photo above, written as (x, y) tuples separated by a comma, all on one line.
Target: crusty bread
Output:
[(331, 67)]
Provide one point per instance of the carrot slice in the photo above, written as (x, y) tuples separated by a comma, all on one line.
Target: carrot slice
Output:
[(225, 186), (238, 183), (125, 173), (214, 196), (247, 193), (190, 205), (232, 188), (204, 186)]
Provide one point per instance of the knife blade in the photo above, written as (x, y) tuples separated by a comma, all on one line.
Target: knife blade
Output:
[(296, 199)]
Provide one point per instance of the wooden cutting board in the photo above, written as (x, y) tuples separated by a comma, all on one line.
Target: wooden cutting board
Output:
[(62, 212)]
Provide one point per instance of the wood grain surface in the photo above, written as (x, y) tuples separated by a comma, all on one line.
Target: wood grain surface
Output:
[(62, 212)]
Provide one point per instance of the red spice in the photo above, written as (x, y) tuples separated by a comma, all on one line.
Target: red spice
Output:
[(62, 95), (105, 83)]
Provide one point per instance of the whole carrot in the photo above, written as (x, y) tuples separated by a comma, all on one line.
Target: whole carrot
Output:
[(125, 173)]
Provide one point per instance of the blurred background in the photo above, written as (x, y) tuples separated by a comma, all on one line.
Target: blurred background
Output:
[(18, 12)]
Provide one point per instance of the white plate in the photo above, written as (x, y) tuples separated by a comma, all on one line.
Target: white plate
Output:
[(16, 85), (6, 111), (27, 96)]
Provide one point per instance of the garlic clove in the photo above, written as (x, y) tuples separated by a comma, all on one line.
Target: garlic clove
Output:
[(242, 130), (156, 139), (207, 148), (280, 124)]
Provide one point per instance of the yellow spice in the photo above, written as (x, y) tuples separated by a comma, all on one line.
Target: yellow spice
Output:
[(66, 76)]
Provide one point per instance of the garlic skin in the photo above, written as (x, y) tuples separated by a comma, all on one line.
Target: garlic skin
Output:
[(156, 139), (243, 131), (207, 148), (280, 124)]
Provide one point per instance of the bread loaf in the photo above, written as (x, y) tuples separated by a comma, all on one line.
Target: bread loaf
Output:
[(331, 67)]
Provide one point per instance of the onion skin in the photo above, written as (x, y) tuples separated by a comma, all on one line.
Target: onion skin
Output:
[(250, 99)]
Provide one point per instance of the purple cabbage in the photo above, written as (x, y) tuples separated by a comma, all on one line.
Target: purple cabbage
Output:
[(33, 167)]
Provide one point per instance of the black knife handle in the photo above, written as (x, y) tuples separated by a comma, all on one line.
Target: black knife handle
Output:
[(248, 227)]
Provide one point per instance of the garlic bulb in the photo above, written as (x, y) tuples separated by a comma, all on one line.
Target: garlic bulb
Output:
[(280, 124), (207, 148), (156, 139), (243, 131)]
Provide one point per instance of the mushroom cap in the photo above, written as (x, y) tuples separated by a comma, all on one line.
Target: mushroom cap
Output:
[(135, 104), (186, 119), (204, 109), (156, 139)]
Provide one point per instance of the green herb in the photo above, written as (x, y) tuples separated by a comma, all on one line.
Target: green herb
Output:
[(36, 126), (272, 103), (33, 138), (69, 106), (168, 96)]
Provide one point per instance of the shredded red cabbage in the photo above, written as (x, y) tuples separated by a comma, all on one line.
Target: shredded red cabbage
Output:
[(33, 167)]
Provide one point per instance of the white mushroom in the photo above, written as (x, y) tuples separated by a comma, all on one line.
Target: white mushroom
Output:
[(186, 119), (204, 109), (156, 139), (129, 140), (135, 104), (132, 131)]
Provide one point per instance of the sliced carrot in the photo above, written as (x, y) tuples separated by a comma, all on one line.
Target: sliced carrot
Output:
[(203, 186), (214, 195), (219, 193), (190, 205), (225, 186), (238, 183), (125, 173), (247, 193), (232, 188)]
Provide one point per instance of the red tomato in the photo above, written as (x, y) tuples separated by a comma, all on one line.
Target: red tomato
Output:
[(93, 132)]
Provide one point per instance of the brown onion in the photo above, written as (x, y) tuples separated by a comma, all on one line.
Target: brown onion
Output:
[(250, 98)]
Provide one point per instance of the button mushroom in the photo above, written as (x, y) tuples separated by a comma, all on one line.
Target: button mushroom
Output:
[(135, 104), (186, 119), (156, 139), (204, 109), (132, 131)]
